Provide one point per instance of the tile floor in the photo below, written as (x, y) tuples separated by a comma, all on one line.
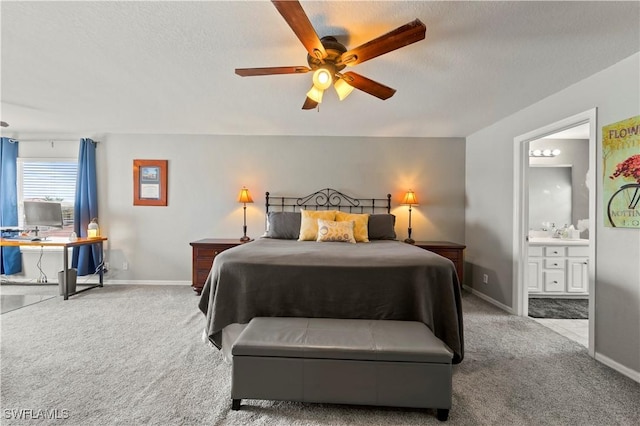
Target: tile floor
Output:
[(574, 329)]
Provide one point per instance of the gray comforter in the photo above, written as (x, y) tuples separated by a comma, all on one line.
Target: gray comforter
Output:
[(377, 280)]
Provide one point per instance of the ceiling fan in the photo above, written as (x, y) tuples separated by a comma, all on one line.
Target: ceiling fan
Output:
[(327, 57)]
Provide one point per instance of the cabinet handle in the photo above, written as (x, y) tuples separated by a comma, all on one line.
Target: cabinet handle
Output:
[(555, 252), (555, 264), (555, 282)]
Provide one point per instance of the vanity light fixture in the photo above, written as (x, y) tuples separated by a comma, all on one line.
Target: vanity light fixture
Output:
[(544, 152), (245, 198), (410, 200)]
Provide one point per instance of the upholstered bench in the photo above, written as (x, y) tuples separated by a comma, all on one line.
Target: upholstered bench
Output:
[(344, 361)]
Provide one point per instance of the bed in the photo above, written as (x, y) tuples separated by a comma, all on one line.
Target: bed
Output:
[(380, 279)]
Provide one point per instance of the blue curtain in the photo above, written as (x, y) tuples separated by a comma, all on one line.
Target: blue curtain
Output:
[(86, 258), (10, 259)]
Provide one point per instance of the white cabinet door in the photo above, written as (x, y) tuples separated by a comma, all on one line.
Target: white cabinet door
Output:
[(578, 275), (534, 275)]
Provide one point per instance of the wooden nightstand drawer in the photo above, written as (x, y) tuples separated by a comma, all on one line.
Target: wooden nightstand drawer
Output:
[(452, 251), (453, 255), (206, 253), (201, 276), (203, 263), (203, 254)]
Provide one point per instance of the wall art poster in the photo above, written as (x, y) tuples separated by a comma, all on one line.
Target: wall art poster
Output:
[(150, 182), (621, 173)]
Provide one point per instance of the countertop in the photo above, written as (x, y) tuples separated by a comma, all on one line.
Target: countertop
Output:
[(547, 241)]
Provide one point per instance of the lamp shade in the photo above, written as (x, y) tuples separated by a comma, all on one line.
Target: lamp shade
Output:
[(410, 198), (244, 196), (315, 94), (322, 79), (343, 89)]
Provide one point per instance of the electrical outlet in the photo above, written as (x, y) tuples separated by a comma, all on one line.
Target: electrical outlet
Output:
[(125, 265), (485, 279)]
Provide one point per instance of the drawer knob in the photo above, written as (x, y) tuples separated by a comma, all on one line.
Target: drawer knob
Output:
[(555, 282), (555, 252), (555, 264)]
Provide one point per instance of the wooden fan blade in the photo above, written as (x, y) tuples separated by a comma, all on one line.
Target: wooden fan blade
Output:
[(298, 20), (400, 37), (369, 86), (309, 103), (249, 72)]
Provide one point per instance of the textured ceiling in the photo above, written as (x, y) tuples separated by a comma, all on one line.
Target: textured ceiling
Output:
[(168, 67)]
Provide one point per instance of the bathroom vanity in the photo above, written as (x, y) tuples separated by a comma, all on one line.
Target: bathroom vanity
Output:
[(558, 267)]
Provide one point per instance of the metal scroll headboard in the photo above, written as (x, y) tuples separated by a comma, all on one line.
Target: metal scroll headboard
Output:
[(329, 199)]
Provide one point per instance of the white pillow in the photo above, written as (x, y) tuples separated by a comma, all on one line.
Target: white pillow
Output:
[(330, 230)]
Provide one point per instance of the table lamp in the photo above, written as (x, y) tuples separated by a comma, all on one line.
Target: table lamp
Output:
[(410, 200), (244, 198), (93, 230)]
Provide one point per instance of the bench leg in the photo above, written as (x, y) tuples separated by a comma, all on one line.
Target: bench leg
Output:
[(442, 414), (235, 404)]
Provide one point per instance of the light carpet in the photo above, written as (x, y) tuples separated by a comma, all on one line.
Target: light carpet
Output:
[(133, 355)]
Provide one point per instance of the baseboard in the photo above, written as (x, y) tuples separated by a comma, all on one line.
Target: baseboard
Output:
[(94, 280), (632, 374), (147, 282), (489, 299)]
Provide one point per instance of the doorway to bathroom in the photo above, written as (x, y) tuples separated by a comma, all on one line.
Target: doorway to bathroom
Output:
[(554, 247)]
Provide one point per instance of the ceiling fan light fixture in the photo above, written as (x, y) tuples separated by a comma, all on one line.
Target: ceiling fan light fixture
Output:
[(322, 78), (315, 94), (343, 89)]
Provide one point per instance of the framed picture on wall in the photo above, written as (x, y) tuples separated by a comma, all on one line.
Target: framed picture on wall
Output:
[(621, 180), (149, 182)]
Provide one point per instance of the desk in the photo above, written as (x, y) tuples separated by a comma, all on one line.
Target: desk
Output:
[(65, 244)]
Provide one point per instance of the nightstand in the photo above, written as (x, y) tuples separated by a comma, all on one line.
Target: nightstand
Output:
[(452, 251), (204, 251)]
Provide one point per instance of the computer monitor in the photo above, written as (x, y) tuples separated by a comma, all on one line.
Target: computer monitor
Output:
[(42, 213)]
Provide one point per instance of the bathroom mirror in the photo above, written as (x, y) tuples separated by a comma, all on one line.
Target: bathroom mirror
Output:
[(549, 196)]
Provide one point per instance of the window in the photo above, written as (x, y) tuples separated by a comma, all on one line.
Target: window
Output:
[(48, 179)]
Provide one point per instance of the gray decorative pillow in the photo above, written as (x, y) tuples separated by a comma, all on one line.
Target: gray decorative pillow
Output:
[(382, 227), (283, 225)]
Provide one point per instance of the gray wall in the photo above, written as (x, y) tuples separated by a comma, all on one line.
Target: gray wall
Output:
[(206, 173), (615, 92)]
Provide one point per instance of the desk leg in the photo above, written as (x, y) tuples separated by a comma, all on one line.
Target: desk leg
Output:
[(101, 263), (65, 271)]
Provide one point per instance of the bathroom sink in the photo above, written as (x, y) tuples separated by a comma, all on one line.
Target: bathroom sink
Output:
[(558, 241)]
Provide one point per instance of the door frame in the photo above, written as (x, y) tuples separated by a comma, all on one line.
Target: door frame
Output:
[(521, 212)]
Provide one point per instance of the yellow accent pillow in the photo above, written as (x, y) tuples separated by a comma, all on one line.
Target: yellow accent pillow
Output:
[(329, 230), (309, 223), (360, 227)]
